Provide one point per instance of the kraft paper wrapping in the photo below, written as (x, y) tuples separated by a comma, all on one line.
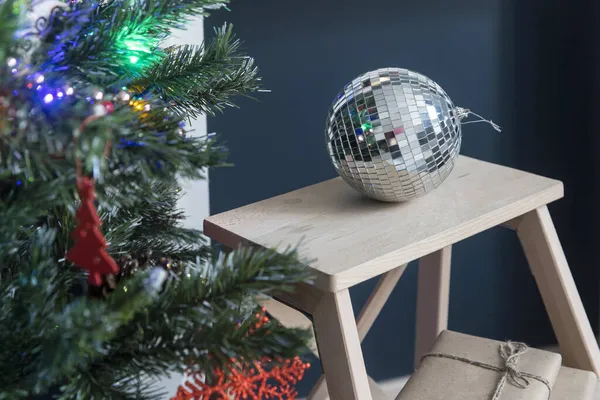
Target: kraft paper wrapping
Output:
[(445, 379), (573, 384)]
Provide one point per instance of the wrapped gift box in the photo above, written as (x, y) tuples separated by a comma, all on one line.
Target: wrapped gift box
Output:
[(440, 378), (573, 384)]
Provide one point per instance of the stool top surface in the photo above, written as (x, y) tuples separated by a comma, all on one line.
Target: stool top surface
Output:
[(353, 238)]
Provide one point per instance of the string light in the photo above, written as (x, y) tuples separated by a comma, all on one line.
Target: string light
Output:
[(134, 59), (40, 78), (11, 62), (60, 95), (99, 96), (140, 105), (124, 96), (99, 110), (69, 91), (48, 98)]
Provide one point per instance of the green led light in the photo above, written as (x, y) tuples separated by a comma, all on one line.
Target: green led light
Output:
[(136, 42), (133, 59)]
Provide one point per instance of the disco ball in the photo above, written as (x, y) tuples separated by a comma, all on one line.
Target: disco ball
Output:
[(394, 134)]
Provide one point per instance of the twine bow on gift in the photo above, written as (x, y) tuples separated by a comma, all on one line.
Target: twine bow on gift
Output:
[(510, 353)]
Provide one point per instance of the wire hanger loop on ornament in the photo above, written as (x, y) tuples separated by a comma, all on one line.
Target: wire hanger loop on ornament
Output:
[(463, 113)]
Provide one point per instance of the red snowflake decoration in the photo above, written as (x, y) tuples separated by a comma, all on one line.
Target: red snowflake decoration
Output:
[(262, 380)]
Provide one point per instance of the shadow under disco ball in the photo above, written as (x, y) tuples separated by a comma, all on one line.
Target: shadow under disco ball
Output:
[(394, 134)]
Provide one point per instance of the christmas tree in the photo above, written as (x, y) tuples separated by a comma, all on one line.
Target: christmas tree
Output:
[(102, 291)]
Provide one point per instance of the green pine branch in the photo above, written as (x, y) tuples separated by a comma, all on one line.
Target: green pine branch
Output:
[(153, 223), (241, 81), (52, 334), (223, 70), (134, 387), (144, 146), (131, 45), (58, 339), (197, 319), (12, 15)]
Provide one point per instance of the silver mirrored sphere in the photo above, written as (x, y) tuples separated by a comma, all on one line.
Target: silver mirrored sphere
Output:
[(393, 134)]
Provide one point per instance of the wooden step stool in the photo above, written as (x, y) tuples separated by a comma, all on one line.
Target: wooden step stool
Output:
[(353, 239)]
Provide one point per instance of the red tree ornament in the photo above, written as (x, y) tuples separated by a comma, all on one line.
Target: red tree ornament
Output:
[(89, 251), (262, 380)]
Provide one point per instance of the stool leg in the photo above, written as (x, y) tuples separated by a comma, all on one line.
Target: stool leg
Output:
[(555, 282), (319, 391), (339, 348), (433, 292), (364, 322)]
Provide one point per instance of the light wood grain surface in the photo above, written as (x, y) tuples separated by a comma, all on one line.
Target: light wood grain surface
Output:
[(379, 296), (553, 277), (364, 322), (433, 299), (339, 346), (353, 238), (319, 392), (295, 319)]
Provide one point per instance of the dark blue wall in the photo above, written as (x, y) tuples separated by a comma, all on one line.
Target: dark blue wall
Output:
[(519, 64)]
